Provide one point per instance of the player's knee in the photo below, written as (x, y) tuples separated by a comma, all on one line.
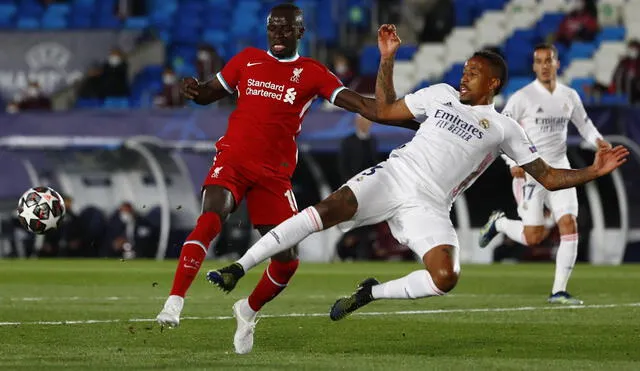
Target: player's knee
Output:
[(286, 256), (535, 236), (568, 225), (219, 200), (445, 278)]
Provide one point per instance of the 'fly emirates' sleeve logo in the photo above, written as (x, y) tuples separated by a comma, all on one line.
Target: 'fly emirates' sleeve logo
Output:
[(267, 89)]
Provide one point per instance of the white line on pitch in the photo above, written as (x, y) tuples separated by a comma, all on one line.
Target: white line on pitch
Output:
[(403, 312)]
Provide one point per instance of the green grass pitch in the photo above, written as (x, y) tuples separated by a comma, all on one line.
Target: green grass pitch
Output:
[(97, 314)]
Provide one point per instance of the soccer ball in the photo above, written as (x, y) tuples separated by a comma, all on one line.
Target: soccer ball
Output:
[(40, 210)]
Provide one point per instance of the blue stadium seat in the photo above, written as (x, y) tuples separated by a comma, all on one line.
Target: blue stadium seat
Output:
[(80, 21), (611, 33), (514, 84), (116, 102), (464, 12), (614, 99), (421, 85), (28, 23), (369, 60), (88, 103), (406, 52), (453, 75), (136, 23), (579, 84), (579, 50), (60, 9), (54, 23), (548, 24)]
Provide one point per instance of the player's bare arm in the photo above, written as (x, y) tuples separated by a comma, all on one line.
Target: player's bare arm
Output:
[(354, 102), (388, 107), (606, 161), (202, 93)]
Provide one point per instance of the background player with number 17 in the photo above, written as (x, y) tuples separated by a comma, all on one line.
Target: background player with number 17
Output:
[(544, 108), (257, 156), (415, 188)]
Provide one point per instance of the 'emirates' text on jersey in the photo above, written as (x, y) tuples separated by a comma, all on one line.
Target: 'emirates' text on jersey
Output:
[(455, 143), (273, 97), (545, 117)]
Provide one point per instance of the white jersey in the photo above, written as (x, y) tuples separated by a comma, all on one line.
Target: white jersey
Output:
[(545, 117), (455, 143)]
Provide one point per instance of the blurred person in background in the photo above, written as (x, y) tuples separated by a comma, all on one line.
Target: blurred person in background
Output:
[(358, 151), (341, 67), (169, 96), (208, 62), (439, 19), (67, 240), (115, 78), (31, 99), (91, 85), (130, 8), (128, 235), (626, 76), (580, 24)]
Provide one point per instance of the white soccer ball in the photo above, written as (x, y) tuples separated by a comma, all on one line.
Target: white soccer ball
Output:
[(40, 209)]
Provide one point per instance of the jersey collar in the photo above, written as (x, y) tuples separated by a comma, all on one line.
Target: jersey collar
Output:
[(286, 60), (541, 87)]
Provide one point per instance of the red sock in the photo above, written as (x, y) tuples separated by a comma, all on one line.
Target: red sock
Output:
[(273, 281), (194, 251)]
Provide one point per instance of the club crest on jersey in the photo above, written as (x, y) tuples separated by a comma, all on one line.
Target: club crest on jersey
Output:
[(484, 123), (296, 74)]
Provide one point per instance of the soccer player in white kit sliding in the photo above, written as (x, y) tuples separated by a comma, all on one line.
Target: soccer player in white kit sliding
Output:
[(544, 108), (460, 135)]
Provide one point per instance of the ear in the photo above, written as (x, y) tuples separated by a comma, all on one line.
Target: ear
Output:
[(300, 32), (495, 82), (557, 64)]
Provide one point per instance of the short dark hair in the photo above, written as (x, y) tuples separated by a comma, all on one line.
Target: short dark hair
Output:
[(291, 7), (547, 46), (498, 66)]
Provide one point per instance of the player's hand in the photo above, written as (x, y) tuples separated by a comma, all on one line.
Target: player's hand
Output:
[(607, 160), (189, 87), (601, 143), (517, 172), (388, 40)]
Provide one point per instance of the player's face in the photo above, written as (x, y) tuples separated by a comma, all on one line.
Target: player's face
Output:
[(284, 29), (545, 65), (477, 83)]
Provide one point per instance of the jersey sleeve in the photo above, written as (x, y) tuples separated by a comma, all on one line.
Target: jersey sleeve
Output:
[(507, 160), (329, 85), (419, 101), (516, 145), (513, 108), (230, 73), (583, 123)]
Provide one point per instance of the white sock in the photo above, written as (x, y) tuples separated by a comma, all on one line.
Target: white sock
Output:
[(418, 284), (565, 260), (282, 237), (514, 229), (246, 311)]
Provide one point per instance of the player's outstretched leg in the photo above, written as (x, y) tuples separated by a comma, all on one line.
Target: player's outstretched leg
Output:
[(217, 203), (347, 305), (489, 230), (439, 277)]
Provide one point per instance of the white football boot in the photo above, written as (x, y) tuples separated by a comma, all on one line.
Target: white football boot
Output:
[(246, 326), (170, 314)]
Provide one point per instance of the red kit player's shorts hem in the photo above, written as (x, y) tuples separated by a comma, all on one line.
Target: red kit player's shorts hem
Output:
[(230, 186)]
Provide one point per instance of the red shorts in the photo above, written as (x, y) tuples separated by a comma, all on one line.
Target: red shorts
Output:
[(270, 198)]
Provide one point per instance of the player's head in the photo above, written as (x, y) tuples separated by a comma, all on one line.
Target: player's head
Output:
[(545, 63), (483, 76), (284, 29)]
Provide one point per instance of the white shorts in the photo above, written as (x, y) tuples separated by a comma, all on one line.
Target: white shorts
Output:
[(532, 197), (417, 223)]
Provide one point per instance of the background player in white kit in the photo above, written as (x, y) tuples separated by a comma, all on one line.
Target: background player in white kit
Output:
[(460, 135), (544, 108)]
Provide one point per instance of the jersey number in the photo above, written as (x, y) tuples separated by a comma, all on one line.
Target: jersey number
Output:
[(372, 170), (292, 200), (530, 187)]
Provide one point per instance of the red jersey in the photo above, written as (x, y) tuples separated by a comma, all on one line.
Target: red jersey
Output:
[(273, 97)]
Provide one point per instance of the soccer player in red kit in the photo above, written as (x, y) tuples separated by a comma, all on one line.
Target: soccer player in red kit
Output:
[(257, 155)]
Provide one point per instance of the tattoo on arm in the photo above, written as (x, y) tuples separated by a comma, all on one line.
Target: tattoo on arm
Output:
[(554, 179), (385, 92)]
